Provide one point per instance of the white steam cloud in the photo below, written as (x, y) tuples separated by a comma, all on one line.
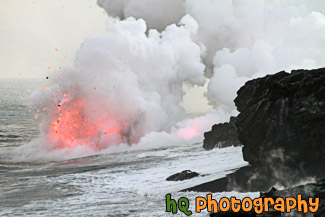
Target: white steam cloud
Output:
[(124, 85), (128, 83), (243, 39)]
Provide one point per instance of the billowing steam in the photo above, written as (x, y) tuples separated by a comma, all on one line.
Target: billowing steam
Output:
[(124, 85), (242, 39), (128, 83)]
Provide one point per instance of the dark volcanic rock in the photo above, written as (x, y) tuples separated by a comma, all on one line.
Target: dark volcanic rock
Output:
[(218, 185), (282, 128), (310, 190), (282, 120), (186, 174), (245, 179), (320, 212), (221, 135)]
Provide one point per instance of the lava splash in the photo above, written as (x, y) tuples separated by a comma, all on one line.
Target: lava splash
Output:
[(123, 85), (72, 127)]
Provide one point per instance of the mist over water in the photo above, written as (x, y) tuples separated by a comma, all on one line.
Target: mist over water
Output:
[(121, 180), (126, 86)]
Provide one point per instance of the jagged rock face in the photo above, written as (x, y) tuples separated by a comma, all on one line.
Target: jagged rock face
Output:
[(186, 174), (282, 121), (221, 135), (281, 126)]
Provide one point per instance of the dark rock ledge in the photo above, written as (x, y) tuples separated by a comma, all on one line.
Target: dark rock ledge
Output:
[(186, 174), (222, 135), (281, 126)]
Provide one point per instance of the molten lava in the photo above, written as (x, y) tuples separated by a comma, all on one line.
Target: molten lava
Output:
[(71, 127), (188, 133)]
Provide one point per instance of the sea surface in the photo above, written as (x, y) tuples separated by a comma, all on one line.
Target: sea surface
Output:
[(124, 182)]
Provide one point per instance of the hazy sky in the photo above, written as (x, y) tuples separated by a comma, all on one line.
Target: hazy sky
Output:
[(38, 34)]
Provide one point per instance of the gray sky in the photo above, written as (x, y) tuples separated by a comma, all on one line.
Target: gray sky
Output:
[(32, 30)]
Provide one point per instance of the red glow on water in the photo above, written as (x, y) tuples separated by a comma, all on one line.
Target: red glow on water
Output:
[(71, 127), (188, 133)]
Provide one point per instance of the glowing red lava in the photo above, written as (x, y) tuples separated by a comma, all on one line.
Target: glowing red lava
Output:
[(71, 127), (188, 133)]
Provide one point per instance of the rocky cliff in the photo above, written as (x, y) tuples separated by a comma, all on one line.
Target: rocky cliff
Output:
[(281, 126)]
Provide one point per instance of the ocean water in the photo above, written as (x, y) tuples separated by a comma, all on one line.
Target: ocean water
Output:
[(121, 182)]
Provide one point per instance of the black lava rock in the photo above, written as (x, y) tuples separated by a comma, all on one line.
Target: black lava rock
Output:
[(310, 190), (186, 174), (282, 120), (221, 135), (282, 125), (282, 128)]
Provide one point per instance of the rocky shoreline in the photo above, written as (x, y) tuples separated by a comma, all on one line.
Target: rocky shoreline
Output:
[(281, 126)]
